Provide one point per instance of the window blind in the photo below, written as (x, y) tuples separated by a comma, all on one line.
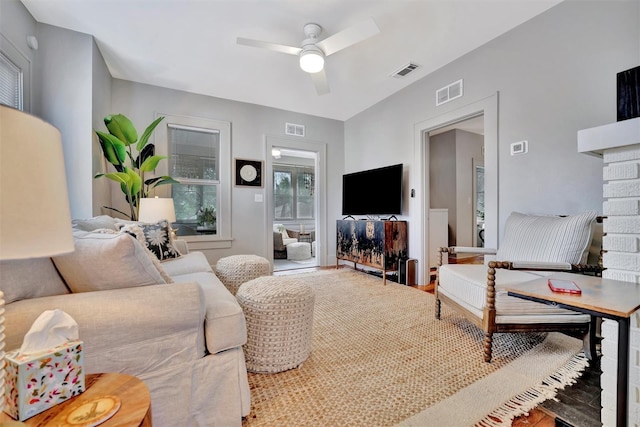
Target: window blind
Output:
[(10, 83)]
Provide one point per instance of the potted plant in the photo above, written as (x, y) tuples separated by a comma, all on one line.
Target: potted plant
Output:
[(117, 148), (207, 217)]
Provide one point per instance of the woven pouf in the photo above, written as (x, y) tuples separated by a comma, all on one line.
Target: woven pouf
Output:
[(298, 251), (279, 315), (234, 270)]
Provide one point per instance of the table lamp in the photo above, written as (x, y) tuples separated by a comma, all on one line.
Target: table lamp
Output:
[(35, 220), (156, 209)]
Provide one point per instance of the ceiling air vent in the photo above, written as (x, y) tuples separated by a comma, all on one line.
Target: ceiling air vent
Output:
[(402, 72), (293, 129), (449, 93)]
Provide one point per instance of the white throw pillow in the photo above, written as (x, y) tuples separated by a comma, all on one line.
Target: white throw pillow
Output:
[(546, 238), (103, 261)]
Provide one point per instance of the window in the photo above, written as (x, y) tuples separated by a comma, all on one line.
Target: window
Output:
[(293, 188), (199, 152), (11, 78), (193, 160)]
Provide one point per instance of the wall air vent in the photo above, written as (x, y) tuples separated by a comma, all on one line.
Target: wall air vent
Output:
[(293, 129), (449, 93), (402, 72)]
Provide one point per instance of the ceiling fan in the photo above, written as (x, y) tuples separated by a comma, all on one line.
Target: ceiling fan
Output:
[(312, 51)]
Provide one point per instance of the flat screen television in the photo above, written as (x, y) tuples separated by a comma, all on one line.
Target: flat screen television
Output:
[(373, 192)]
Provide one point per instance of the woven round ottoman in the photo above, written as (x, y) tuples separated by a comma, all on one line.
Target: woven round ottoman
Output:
[(234, 270), (279, 315), (298, 251)]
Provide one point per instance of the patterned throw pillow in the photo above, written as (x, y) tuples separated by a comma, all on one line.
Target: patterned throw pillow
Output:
[(158, 237)]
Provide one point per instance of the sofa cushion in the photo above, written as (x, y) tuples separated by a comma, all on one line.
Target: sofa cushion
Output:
[(95, 223), (224, 326), (104, 261), (193, 262), (30, 278), (546, 238)]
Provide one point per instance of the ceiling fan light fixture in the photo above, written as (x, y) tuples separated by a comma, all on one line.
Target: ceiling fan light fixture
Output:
[(311, 59)]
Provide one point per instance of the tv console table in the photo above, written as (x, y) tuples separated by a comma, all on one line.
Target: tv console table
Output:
[(377, 244)]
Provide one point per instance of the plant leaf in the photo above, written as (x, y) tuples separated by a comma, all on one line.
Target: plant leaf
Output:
[(121, 177), (147, 133), (135, 180), (148, 151), (163, 181), (120, 126), (113, 149), (151, 163)]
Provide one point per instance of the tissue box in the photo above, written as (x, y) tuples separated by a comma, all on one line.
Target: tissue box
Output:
[(36, 382)]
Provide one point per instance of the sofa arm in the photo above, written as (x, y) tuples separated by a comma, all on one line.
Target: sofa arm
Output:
[(132, 330)]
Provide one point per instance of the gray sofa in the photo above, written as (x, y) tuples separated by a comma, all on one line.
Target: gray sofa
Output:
[(183, 339)]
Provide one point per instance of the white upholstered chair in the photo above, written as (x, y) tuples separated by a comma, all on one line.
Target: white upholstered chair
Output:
[(533, 247)]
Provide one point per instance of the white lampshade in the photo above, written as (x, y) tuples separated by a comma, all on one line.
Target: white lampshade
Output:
[(311, 59), (35, 220), (156, 209)]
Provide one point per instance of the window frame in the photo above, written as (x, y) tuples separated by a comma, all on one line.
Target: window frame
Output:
[(223, 237), (24, 64)]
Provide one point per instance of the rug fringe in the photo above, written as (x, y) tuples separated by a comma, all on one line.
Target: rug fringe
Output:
[(526, 401)]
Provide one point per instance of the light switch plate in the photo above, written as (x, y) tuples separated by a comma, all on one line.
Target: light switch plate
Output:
[(257, 198), (519, 147)]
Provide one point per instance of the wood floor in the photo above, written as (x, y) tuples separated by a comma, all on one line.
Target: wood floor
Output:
[(576, 406)]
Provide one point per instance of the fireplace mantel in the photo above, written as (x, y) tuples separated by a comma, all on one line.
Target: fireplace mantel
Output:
[(595, 140)]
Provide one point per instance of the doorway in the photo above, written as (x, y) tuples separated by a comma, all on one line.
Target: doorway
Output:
[(295, 203), (487, 108), (456, 180)]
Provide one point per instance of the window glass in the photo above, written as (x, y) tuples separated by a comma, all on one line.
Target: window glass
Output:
[(283, 195), (293, 192)]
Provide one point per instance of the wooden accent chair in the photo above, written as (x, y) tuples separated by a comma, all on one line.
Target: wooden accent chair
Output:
[(533, 247)]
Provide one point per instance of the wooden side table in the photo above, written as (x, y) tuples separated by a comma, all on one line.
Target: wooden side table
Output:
[(135, 409), (606, 298)]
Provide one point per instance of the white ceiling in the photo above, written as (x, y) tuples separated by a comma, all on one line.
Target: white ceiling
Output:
[(190, 45)]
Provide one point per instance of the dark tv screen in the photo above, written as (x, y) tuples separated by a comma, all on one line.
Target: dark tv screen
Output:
[(373, 192)]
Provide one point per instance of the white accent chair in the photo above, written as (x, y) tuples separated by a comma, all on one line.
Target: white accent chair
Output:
[(533, 247)]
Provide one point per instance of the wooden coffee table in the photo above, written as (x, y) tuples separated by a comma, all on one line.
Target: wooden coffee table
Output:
[(606, 298), (135, 400)]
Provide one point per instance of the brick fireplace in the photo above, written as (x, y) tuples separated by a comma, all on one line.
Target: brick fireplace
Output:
[(619, 146)]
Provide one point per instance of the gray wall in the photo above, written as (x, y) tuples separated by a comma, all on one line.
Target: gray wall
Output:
[(69, 85), (555, 74), (63, 96), (249, 126)]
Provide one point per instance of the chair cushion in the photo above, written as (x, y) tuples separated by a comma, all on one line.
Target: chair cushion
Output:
[(547, 238), (467, 285)]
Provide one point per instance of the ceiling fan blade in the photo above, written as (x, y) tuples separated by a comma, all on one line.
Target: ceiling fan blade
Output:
[(348, 37), (271, 46), (320, 82)]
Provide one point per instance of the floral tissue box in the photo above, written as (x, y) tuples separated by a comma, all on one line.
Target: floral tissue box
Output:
[(36, 382)]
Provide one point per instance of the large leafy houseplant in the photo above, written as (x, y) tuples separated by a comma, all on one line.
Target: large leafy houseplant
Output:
[(130, 166)]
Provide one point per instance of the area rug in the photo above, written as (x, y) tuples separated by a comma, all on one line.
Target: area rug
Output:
[(380, 358)]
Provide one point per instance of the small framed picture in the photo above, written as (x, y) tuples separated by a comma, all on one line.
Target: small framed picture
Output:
[(248, 173)]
